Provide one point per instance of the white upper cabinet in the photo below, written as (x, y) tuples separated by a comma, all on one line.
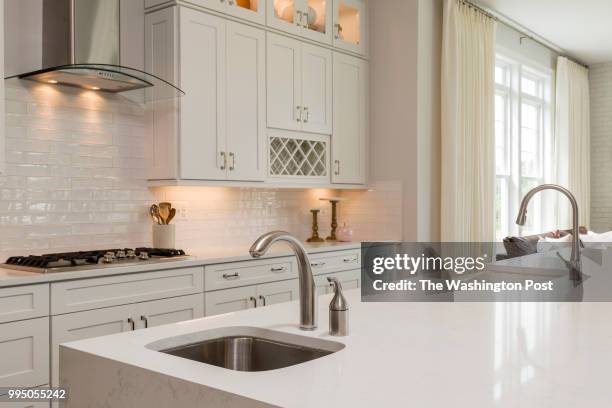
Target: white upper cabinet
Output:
[(307, 18), (349, 25), (220, 131), (316, 89), (245, 102), (349, 138), (299, 85), (284, 83), (202, 77), (252, 10)]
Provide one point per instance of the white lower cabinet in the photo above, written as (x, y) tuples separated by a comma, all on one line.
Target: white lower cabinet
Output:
[(24, 353), (94, 323), (166, 311), (248, 297), (230, 300), (277, 292)]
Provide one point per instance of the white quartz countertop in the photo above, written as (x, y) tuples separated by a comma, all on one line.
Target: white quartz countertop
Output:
[(408, 354), (208, 256)]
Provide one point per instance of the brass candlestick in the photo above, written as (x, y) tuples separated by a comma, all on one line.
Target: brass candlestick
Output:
[(315, 228), (334, 223)]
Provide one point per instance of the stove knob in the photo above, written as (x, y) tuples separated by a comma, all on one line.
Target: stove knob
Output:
[(131, 254), (120, 255), (143, 256), (109, 257)]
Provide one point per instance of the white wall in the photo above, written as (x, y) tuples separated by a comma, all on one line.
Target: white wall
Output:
[(405, 38), (601, 146), (393, 103)]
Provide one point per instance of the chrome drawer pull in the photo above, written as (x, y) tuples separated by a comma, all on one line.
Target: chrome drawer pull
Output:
[(279, 269), (354, 259), (231, 276), (263, 299), (252, 299), (317, 264), (132, 323), (146, 321)]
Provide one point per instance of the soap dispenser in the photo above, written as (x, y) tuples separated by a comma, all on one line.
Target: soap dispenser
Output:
[(338, 311)]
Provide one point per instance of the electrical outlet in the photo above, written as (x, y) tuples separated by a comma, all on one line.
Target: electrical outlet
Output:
[(182, 210)]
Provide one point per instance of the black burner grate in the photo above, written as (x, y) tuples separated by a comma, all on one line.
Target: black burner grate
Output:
[(83, 257)]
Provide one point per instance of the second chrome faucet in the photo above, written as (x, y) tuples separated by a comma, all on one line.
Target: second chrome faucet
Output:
[(574, 263)]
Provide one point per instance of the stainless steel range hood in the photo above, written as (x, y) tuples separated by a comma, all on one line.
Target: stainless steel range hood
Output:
[(80, 47)]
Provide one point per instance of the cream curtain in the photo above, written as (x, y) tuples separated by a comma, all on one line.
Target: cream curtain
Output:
[(468, 127), (573, 139)]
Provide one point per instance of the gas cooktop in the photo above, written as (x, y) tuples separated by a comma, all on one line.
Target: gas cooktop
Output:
[(83, 260)]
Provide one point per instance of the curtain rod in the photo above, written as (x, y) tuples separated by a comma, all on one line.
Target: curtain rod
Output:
[(525, 33)]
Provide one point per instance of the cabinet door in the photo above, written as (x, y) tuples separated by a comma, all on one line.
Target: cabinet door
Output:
[(230, 300), (277, 292), (202, 119), (284, 82), (85, 325), (24, 353), (161, 30), (252, 10), (350, 120), (166, 311), (283, 15), (246, 102), (317, 89), (350, 25)]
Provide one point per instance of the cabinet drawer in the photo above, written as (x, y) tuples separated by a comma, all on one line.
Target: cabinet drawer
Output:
[(231, 275), (24, 302), (24, 353), (74, 296), (329, 262)]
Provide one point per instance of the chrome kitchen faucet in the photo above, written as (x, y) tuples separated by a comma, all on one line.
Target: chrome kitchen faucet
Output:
[(308, 304)]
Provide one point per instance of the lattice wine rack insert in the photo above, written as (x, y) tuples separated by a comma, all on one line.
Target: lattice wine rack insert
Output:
[(298, 157)]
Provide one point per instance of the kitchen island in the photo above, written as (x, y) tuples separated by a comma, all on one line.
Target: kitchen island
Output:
[(396, 354)]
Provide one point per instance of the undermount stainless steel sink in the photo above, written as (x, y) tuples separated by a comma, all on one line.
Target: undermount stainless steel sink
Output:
[(250, 349)]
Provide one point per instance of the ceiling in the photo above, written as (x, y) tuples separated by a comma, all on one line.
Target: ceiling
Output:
[(582, 28)]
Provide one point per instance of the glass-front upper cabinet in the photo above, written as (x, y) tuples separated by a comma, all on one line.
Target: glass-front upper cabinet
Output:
[(350, 25), (306, 18)]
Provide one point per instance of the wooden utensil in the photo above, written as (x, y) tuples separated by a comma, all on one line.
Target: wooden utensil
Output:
[(171, 216), (164, 212)]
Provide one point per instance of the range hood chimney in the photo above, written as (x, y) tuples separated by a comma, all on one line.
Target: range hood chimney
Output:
[(81, 48)]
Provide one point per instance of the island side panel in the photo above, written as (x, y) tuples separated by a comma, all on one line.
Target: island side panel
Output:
[(110, 383)]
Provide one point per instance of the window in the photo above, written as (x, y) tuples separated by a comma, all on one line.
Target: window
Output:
[(523, 145)]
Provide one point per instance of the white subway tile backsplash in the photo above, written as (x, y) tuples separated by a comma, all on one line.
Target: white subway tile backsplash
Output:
[(76, 180)]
